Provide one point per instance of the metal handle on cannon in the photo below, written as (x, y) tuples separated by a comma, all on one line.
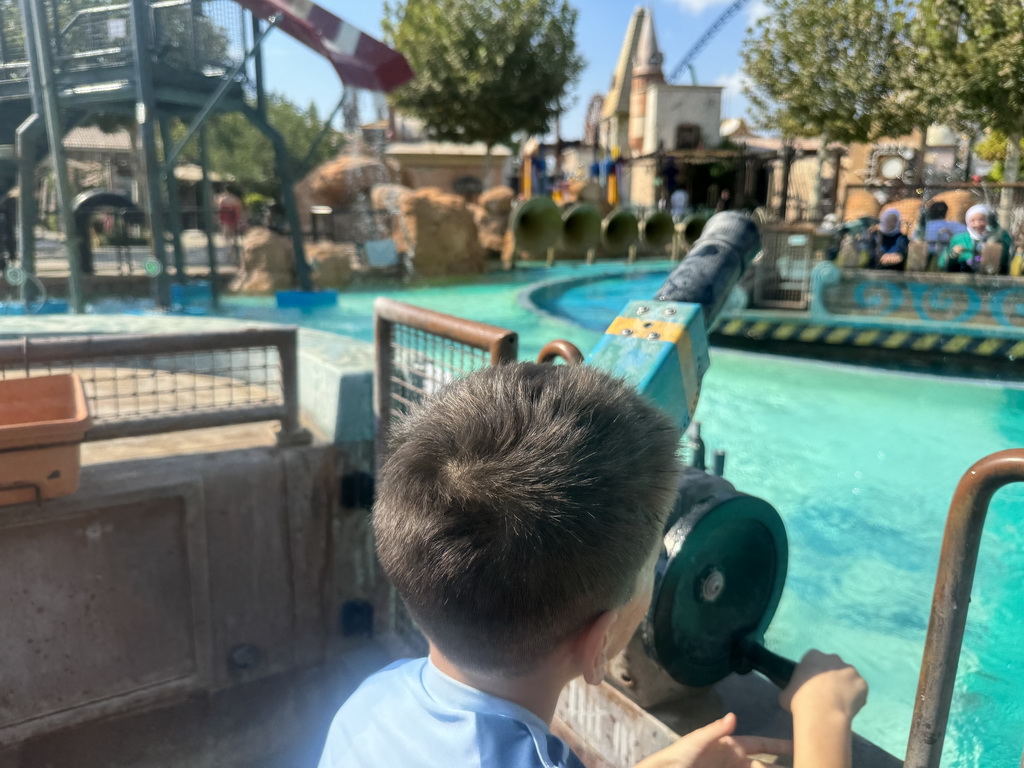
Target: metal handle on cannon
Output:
[(754, 656)]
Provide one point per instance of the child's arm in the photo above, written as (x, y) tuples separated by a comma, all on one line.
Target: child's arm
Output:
[(714, 746), (824, 695)]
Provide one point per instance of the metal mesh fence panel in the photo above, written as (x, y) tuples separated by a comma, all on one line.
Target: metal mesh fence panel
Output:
[(150, 384)]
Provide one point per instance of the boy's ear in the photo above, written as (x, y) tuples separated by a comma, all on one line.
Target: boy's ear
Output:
[(592, 646)]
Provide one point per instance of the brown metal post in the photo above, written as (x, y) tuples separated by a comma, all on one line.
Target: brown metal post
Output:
[(951, 601), (382, 381), (291, 432)]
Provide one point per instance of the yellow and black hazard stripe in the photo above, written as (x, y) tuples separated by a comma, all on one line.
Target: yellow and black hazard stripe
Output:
[(809, 332)]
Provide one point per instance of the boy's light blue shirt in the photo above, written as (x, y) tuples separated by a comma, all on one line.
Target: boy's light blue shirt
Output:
[(412, 715)]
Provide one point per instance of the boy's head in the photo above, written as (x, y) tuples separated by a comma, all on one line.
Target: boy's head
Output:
[(519, 504)]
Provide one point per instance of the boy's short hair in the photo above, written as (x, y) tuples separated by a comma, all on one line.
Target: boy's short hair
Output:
[(518, 504)]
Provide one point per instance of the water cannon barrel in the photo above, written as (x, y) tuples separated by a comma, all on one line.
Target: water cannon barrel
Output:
[(581, 227), (536, 224), (691, 227), (619, 231), (658, 229), (729, 243)]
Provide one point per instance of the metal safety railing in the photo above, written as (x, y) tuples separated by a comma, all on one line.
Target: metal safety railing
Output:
[(151, 384), (782, 273), (189, 35), (419, 350), (952, 597)]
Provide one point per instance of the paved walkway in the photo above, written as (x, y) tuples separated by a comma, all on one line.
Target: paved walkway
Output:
[(51, 257)]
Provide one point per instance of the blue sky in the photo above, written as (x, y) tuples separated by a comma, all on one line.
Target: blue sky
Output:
[(303, 76)]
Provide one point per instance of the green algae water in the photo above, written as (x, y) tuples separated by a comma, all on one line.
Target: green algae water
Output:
[(861, 464)]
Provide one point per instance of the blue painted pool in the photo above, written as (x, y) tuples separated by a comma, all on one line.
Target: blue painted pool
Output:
[(861, 464)]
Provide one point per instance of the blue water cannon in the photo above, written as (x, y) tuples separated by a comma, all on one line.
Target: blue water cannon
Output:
[(661, 345), (723, 565)]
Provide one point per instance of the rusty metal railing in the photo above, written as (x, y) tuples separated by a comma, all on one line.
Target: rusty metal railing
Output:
[(149, 384), (419, 350), (566, 350), (952, 598)]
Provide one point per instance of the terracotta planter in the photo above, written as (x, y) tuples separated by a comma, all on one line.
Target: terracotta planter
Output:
[(43, 421)]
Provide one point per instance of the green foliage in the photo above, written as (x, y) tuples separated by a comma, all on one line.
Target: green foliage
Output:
[(255, 199), (239, 150), (993, 148), (977, 46), (844, 69), (11, 29), (485, 69)]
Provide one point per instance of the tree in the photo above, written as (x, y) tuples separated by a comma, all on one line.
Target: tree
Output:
[(840, 69), (239, 150), (485, 69), (992, 147), (977, 45)]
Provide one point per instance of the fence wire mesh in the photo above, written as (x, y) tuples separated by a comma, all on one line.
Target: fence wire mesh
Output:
[(188, 35), (13, 60), (781, 274), (134, 391), (132, 387), (422, 362)]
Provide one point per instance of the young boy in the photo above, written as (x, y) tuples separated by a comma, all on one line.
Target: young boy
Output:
[(520, 515)]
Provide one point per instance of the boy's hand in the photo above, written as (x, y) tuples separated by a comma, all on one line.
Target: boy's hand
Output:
[(713, 747), (824, 683)]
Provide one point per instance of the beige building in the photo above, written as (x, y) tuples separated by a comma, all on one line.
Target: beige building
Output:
[(645, 120), (451, 167)]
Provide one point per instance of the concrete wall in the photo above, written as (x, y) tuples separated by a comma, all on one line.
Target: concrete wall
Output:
[(615, 133), (440, 170), (179, 576), (166, 576), (642, 176), (671, 105)]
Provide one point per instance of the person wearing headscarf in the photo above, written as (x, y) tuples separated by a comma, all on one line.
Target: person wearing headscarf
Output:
[(964, 251), (885, 243)]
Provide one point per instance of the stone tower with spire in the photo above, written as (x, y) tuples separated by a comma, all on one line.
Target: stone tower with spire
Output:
[(615, 111), (647, 121), (646, 73)]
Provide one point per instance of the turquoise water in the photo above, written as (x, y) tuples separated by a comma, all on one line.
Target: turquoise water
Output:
[(860, 463)]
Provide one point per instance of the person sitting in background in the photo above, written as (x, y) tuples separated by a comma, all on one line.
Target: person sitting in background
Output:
[(938, 230), (679, 202), (964, 251), (885, 243)]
